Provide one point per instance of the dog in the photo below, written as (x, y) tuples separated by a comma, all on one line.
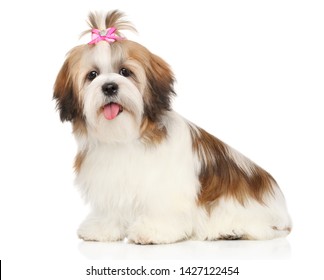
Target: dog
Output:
[(149, 175)]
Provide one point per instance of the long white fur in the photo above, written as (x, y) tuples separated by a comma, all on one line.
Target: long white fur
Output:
[(149, 195)]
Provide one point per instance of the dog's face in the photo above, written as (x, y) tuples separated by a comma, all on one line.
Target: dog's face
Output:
[(114, 92)]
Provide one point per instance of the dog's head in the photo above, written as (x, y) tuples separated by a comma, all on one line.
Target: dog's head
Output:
[(114, 89)]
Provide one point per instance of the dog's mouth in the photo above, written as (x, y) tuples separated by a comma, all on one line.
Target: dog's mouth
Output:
[(112, 110)]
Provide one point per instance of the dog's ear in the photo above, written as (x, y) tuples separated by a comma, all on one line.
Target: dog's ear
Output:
[(160, 86), (66, 101)]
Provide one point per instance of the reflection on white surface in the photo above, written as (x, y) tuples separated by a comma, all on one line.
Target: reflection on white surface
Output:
[(189, 250)]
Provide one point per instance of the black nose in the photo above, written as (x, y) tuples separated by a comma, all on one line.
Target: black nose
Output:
[(109, 89)]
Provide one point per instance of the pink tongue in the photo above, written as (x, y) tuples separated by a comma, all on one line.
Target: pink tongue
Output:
[(111, 111)]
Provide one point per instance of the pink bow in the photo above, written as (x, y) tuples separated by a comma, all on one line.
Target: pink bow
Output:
[(107, 35)]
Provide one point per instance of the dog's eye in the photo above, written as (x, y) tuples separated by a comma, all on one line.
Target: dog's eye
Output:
[(92, 75), (125, 72)]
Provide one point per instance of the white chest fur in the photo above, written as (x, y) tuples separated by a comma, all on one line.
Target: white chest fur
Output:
[(132, 177)]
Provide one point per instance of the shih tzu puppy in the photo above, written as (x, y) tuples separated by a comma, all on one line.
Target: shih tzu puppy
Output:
[(148, 174)]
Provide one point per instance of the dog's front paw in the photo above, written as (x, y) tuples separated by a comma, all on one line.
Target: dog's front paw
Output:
[(99, 230), (153, 233)]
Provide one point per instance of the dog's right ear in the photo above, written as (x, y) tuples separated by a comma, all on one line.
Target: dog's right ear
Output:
[(64, 93)]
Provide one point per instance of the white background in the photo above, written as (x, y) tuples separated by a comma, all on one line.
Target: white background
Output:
[(249, 72)]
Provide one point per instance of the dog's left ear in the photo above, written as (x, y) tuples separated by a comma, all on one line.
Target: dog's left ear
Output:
[(160, 84), (66, 101)]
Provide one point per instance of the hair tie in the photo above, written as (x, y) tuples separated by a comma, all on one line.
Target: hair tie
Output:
[(107, 35)]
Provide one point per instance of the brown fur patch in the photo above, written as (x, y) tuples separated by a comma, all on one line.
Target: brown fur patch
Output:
[(151, 133), (79, 158), (79, 127), (65, 89), (220, 175), (159, 79), (160, 88)]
